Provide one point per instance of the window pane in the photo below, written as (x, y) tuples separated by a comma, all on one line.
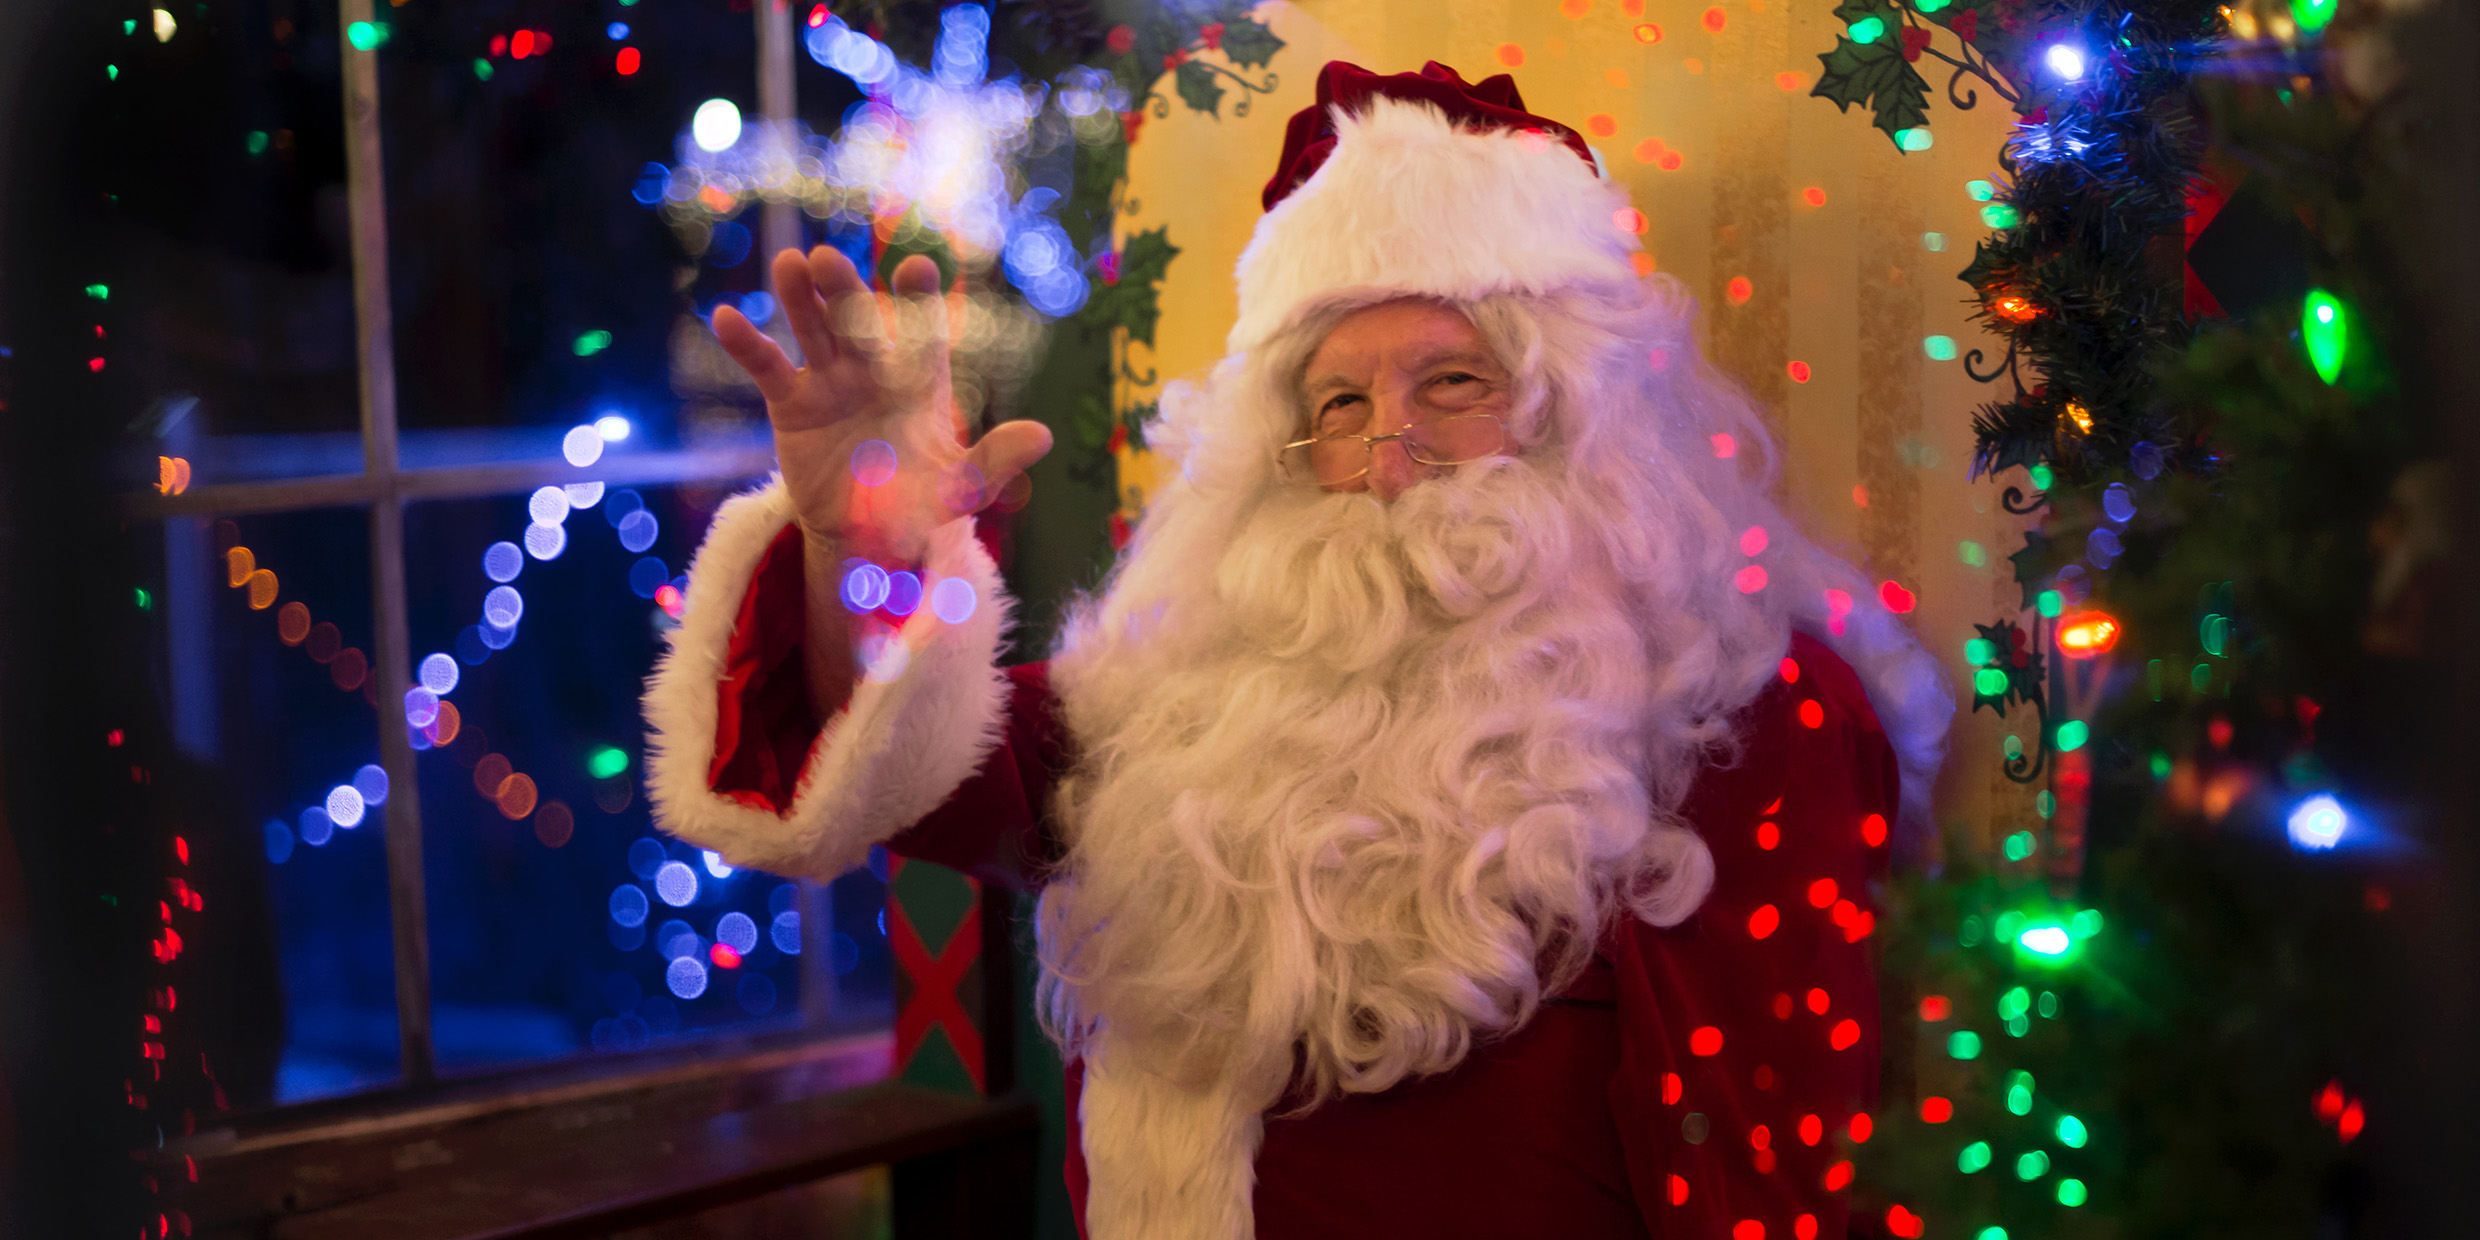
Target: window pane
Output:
[(267, 688), (233, 314), (560, 921), (535, 286)]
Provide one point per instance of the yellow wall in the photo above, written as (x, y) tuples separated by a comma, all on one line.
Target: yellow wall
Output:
[(1848, 287)]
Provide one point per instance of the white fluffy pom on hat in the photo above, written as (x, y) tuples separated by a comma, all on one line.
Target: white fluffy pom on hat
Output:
[(1411, 202)]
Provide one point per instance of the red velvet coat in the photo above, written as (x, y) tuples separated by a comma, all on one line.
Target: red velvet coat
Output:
[(1700, 1081)]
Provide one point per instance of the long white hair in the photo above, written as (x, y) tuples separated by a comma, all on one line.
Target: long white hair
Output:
[(1358, 782)]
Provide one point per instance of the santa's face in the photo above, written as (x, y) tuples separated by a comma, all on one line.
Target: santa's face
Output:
[(1398, 393)]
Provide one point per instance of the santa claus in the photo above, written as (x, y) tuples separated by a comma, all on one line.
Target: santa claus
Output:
[(1455, 816)]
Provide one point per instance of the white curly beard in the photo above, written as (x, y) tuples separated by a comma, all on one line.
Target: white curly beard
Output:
[(1360, 783)]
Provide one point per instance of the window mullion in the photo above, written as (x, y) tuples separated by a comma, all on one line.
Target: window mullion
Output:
[(366, 198)]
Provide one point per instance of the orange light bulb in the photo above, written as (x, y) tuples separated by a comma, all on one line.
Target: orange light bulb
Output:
[(2087, 634)]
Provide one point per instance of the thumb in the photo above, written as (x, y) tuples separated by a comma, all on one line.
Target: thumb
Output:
[(1009, 449)]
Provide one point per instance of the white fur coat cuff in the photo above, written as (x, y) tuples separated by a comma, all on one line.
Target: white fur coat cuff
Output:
[(920, 720)]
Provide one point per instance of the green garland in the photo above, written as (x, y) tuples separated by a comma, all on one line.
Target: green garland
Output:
[(2162, 1029)]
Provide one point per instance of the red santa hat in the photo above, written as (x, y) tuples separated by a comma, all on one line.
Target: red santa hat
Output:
[(1423, 184)]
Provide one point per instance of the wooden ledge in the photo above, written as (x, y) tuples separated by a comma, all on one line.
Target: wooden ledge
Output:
[(580, 1163)]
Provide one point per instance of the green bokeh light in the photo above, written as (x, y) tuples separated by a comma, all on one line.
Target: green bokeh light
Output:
[(2001, 215), (2020, 845), (606, 762), (1938, 348), (1989, 682), (2033, 1165), (2072, 734), (366, 36), (591, 343), (2071, 1132), (2071, 1193), (1975, 1157), (2324, 322), (2049, 604), (1868, 29), (1963, 1044)]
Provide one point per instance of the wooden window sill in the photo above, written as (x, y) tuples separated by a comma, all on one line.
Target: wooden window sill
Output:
[(594, 1157)]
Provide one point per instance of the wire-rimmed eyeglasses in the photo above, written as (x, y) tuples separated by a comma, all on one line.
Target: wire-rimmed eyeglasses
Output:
[(1332, 460)]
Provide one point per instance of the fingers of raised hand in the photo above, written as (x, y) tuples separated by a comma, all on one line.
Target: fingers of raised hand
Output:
[(797, 292), (998, 463), (755, 353)]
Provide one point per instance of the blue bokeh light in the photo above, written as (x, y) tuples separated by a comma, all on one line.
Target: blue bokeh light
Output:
[(737, 931), (502, 561), (372, 782), (785, 931), (344, 806), (903, 593), (686, 977), (647, 576), (629, 906), (439, 674), (637, 530), (676, 883), (865, 586), (546, 542), (503, 607), (2318, 823), (2119, 503), (953, 600), (646, 856)]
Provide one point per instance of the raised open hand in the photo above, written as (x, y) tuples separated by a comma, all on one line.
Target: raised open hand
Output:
[(872, 450)]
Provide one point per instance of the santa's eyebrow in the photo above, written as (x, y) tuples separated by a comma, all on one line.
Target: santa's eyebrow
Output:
[(1474, 358)]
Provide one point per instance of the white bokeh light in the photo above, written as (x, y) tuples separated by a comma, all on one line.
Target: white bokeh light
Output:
[(717, 125)]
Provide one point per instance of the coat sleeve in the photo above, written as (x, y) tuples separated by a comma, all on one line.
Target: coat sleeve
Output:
[(1749, 1055), (938, 744)]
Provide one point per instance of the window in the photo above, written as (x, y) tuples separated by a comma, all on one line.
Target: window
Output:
[(409, 642)]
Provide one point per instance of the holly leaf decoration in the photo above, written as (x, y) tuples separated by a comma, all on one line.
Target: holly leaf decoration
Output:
[(2013, 655), (2032, 565), (1197, 88), (1874, 74), (1135, 300), (1249, 43), (1134, 418), (1093, 420)]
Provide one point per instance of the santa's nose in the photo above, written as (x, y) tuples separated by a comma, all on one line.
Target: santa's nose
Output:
[(1391, 468)]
